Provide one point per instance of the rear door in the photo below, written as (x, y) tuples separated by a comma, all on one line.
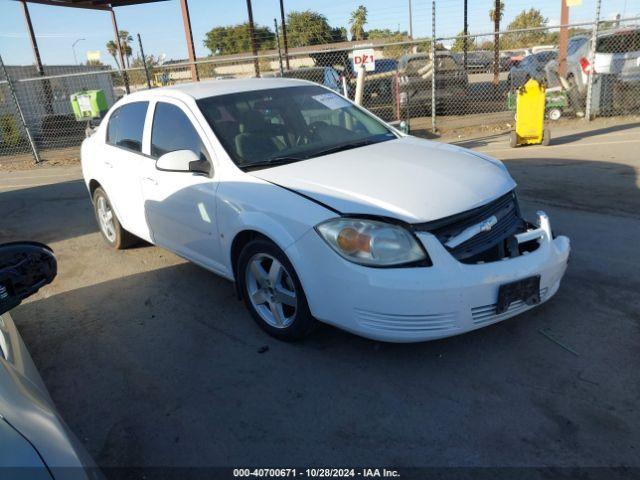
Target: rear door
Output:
[(180, 207), (123, 161)]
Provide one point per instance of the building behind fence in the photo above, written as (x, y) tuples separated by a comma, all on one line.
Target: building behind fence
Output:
[(603, 64)]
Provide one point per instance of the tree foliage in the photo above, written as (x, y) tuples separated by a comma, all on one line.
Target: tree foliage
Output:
[(526, 19), (458, 43), (492, 13), (390, 51), (125, 46), (310, 28), (236, 39), (125, 43), (357, 21)]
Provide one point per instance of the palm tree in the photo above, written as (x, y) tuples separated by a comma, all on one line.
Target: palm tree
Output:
[(112, 48), (357, 21), (125, 43), (495, 18)]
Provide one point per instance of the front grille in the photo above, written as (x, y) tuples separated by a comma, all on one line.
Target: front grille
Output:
[(485, 245)]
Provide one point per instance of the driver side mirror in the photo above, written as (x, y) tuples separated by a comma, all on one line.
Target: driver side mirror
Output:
[(183, 161), (25, 267)]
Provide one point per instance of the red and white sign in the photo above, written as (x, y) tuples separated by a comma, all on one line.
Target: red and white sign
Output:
[(364, 57)]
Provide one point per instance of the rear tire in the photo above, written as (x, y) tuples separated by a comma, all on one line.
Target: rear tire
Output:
[(546, 137), (110, 228), (272, 291)]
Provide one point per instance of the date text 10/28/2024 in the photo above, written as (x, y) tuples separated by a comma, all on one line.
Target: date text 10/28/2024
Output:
[(316, 472)]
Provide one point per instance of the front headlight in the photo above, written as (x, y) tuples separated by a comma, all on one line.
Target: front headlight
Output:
[(370, 242)]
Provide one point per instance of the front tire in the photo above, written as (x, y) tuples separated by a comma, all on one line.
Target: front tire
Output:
[(110, 228), (272, 291)]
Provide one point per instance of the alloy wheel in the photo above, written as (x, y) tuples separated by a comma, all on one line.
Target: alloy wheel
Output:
[(271, 290), (105, 218)]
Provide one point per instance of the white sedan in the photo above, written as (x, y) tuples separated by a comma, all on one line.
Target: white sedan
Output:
[(318, 210)]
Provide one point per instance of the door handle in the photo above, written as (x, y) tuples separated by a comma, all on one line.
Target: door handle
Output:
[(150, 180), (108, 164)]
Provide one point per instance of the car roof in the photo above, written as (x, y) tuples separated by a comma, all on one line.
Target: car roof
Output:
[(411, 56), (212, 88)]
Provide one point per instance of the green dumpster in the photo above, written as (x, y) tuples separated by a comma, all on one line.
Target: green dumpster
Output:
[(89, 104)]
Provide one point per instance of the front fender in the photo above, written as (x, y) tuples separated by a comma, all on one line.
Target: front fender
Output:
[(277, 213)]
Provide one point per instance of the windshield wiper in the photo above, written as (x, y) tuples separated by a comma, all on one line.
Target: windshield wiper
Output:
[(271, 162), (349, 146)]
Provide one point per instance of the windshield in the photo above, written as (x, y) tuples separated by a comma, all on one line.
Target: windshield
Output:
[(281, 125)]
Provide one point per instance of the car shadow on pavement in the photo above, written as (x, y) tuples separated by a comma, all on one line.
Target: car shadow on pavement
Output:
[(562, 140), (168, 368), (578, 184), (46, 213)]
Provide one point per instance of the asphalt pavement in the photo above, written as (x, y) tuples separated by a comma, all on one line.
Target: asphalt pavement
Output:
[(153, 362)]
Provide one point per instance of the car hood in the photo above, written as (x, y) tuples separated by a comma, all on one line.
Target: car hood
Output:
[(409, 179)]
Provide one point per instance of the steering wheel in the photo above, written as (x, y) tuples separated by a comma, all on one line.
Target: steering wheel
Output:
[(315, 128), (312, 132)]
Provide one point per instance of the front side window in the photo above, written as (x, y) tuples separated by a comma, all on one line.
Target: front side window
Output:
[(172, 130), (282, 125), (126, 125)]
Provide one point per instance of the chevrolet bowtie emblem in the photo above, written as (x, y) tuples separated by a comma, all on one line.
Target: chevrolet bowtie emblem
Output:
[(488, 224), (472, 231)]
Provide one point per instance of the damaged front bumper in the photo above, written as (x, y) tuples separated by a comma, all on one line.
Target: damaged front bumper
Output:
[(424, 303)]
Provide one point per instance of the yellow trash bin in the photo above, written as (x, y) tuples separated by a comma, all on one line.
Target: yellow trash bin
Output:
[(530, 107)]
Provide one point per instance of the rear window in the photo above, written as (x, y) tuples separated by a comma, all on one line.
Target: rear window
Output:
[(575, 44), (619, 42), (126, 125), (385, 66)]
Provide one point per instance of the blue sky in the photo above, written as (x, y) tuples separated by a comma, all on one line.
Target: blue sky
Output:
[(160, 24)]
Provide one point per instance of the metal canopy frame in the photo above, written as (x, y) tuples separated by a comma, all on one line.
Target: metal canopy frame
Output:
[(108, 6)]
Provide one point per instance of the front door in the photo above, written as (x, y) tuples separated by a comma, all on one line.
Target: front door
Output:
[(180, 207)]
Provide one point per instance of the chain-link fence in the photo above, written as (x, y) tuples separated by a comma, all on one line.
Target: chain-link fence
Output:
[(475, 82)]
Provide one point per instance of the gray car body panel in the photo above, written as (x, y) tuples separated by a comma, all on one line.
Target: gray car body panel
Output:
[(27, 407)]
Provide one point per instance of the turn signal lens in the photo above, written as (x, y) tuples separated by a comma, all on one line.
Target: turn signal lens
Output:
[(350, 241), (370, 242)]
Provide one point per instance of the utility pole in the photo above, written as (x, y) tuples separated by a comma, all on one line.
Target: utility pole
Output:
[(284, 33), (433, 69), (275, 24), (144, 62), (496, 43), (592, 55), (563, 40), (465, 42), (410, 22), (252, 35)]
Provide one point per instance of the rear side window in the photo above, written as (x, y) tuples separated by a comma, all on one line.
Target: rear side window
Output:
[(172, 130), (126, 125), (622, 42)]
